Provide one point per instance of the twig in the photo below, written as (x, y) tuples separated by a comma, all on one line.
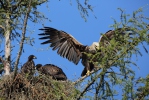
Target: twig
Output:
[(14, 7), (92, 82), (22, 39), (2, 27), (2, 4), (89, 84), (99, 86), (82, 78)]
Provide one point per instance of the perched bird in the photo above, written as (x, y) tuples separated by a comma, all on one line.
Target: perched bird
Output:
[(29, 66), (52, 70), (69, 48)]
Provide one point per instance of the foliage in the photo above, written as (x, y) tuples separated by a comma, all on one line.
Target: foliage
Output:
[(84, 7), (143, 91), (114, 60), (17, 10)]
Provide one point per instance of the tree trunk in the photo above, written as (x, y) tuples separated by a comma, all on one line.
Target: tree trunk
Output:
[(7, 46)]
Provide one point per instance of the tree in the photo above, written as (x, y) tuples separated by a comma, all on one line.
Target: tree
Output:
[(114, 67), (14, 15)]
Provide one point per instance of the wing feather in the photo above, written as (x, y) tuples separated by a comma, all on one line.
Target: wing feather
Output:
[(48, 41), (65, 50), (111, 33), (61, 49), (67, 46), (56, 46)]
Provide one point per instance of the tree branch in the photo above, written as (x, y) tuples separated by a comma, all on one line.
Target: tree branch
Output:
[(92, 82), (82, 78), (89, 84), (14, 7), (99, 86), (22, 39)]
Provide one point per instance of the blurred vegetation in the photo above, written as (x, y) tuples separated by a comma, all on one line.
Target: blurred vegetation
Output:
[(38, 88)]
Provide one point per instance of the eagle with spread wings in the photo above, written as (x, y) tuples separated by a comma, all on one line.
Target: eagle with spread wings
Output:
[(68, 47)]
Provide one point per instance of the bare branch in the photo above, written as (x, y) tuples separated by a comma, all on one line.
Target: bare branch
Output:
[(23, 38), (82, 78)]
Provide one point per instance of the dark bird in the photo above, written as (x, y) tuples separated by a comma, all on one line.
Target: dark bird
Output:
[(29, 66), (69, 48), (52, 70)]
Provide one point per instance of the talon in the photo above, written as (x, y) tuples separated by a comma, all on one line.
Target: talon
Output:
[(88, 72)]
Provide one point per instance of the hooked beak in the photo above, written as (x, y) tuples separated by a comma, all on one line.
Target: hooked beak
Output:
[(35, 57)]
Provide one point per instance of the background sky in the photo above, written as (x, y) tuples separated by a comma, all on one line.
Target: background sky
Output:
[(64, 15)]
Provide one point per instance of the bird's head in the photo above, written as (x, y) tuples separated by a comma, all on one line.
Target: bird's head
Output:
[(38, 66), (94, 47), (97, 46), (31, 57)]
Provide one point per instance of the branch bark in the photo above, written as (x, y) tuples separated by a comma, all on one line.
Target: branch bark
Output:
[(7, 44), (84, 77)]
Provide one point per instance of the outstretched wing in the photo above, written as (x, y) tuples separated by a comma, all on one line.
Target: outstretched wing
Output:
[(68, 47), (105, 38)]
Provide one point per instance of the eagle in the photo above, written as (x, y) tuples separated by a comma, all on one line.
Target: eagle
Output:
[(29, 66), (68, 47), (52, 70)]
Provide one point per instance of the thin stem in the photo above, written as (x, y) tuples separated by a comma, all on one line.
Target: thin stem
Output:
[(23, 38)]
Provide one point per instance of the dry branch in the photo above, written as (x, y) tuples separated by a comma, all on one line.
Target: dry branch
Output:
[(23, 38)]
